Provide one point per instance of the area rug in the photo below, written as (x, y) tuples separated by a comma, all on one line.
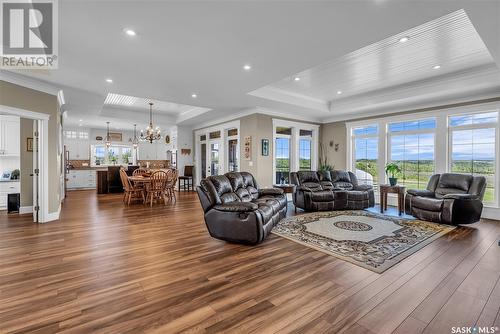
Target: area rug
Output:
[(372, 241)]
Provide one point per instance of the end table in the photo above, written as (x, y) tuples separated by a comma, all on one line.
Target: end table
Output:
[(397, 189), (287, 188)]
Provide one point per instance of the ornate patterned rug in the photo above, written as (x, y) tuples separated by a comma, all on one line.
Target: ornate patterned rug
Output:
[(372, 241)]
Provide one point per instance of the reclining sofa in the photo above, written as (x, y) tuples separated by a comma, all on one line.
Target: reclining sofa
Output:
[(236, 210), (449, 199), (335, 190)]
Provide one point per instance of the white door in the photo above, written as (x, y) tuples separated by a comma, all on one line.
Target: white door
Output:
[(36, 171)]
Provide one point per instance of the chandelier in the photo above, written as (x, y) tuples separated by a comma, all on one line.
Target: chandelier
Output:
[(152, 134), (107, 140)]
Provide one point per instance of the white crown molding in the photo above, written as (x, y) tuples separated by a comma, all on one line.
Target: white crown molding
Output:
[(22, 80)]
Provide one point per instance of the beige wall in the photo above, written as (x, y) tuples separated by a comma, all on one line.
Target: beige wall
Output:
[(259, 127), (26, 163), (29, 99), (330, 135)]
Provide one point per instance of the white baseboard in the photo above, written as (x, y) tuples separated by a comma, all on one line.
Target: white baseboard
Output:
[(51, 216), (25, 209)]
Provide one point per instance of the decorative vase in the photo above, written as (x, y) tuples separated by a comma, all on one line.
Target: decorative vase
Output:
[(393, 181)]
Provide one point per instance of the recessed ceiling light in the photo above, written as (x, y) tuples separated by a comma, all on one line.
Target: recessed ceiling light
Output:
[(296, 79), (247, 67), (436, 67), (108, 80), (339, 92), (404, 39), (194, 96), (80, 120), (130, 32)]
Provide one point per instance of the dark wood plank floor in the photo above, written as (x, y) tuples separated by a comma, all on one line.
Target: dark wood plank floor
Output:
[(108, 268)]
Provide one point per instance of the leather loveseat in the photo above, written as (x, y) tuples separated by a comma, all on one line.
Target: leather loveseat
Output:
[(335, 190), (236, 210), (449, 199)]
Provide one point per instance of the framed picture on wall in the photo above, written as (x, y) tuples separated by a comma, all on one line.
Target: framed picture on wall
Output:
[(29, 144), (247, 148), (265, 147)]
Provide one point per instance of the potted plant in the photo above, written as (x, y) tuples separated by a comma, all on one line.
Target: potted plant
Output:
[(324, 165), (392, 169)]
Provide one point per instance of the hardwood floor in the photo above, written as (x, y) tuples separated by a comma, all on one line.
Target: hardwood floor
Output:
[(108, 268)]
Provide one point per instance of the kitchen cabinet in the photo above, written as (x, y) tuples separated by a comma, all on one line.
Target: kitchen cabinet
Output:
[(154, 151), (78, 149), (81, 179), (8, 187), (10, 134)]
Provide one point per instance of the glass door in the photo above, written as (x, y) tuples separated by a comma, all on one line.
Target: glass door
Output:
[(214, 158), (203, 151)]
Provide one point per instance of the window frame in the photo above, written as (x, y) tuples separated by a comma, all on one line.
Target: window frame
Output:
[(489, 125), (106, 149), (442, 139), (294, 143), (365, 136), (411, 132)]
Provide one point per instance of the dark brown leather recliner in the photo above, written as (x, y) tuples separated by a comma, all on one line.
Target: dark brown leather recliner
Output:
[(335, 190), (236, 210), (449, 199)]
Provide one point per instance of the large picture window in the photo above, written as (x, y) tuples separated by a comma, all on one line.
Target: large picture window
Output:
[(412, 149), (473, 140), (282, 156), (114, 155), (454, 140), (365, 152)]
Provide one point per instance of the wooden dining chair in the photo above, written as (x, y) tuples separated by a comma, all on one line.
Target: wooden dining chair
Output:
[(172, 175), (139, 172), (155, 189), (130, 190)]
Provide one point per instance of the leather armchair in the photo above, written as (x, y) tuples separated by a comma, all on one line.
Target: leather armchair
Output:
[(449, 199), (236, 210), (335, 190)]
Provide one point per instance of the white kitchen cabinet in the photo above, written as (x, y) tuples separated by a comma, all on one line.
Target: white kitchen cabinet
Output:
[(78, 149), (154, 151), (10, 136), (8, 187), (81, 179)]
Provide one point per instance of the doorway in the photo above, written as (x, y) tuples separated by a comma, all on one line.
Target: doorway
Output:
[(217, 150), (39, 146)]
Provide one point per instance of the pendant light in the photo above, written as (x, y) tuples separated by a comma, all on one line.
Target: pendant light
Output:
[(108, 137), (135, 141)]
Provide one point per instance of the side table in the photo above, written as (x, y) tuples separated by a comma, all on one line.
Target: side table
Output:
[(287, 188), (397, 189)]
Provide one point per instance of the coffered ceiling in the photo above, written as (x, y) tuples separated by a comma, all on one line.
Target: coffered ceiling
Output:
[(188, 56)]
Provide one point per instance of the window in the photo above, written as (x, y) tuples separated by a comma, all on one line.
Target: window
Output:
[(114, 155), (232, 150), (70, 134), (83, 135), (412, 149), (365, 154), (282, 158), (473, 140), (305, 147)]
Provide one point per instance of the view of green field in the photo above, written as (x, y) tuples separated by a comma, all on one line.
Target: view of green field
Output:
[(416, 173)]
